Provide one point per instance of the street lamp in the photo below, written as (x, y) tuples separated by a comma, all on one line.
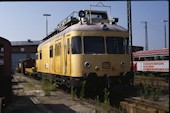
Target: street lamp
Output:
[(47, 22), (165, 29), (146, 35)]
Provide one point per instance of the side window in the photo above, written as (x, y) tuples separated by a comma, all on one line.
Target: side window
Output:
[(157, 58), (136, 59), (142, 58), (51, 51), (36, 56), (151, 58), (58, 49), (68, 46), (76, 45), (166, 57), (40, 54), (147, 58), (1, 54)]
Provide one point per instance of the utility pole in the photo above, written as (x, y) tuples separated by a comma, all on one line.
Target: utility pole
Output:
[(129, 21), (146, 35), (165, 29)]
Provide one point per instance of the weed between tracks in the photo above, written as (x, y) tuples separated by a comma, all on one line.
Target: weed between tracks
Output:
[(103, 103), (73, 92), (30, 86), (150, 93), (47, 86), (78, 93), (82, 90)]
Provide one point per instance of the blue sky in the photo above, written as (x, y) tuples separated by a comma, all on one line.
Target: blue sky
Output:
[(20, 21)]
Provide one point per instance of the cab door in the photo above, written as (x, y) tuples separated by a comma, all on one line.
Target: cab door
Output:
[(58, 58), (68, 54)]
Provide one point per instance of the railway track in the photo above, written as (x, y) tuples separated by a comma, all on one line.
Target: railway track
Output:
[(63, 101), (151, 78), (155, 82), (132, 105), (34, 101), (135, 103)]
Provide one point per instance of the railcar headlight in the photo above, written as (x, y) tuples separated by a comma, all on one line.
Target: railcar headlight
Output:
[(104, 27), (87, 64), (122, 64), (81, 14)]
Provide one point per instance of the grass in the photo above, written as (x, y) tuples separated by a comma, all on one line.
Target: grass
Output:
[(104, 105), (30, 86), (47, 86), (155, 94), (150, 93), (73, 92), (106, 97), (97, 100), (82, 90)]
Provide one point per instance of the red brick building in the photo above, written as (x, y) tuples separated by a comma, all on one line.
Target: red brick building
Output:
[(23, 50)]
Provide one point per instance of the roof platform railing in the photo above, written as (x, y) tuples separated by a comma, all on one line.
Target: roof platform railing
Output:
[(67, 22)]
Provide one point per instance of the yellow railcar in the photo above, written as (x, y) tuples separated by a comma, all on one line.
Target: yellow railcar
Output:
[(27, 66), (93, 49), (30, 70)]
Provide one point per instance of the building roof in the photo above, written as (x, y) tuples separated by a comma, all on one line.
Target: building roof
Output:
[(25, 43), (164, 51)]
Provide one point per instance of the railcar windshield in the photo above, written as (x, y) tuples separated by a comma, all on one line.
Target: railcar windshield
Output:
[(95, 15), (94, 45), (117, 45), (76, 45)]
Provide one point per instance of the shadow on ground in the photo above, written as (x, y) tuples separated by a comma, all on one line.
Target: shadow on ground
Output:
[(23, 104)]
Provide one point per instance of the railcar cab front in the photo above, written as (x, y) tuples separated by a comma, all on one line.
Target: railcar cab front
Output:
[(93, 47), (96, 16)]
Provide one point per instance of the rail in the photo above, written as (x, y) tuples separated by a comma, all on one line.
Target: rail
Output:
[(134, 106)]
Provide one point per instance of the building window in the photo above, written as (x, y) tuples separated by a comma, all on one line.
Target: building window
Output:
[(22, 49), (1, 55), (2, 49)]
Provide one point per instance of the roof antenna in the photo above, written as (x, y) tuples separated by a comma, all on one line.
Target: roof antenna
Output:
[(81, 15), (98, 5)]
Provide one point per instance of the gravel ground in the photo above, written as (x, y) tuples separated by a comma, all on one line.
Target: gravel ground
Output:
[(33, 100), (29, 98)]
